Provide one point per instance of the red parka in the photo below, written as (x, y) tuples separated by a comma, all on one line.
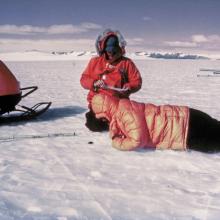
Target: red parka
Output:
[(122, 73), (134, 125)]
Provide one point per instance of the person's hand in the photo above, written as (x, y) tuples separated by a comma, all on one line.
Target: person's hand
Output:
[(99, 84), (126, 87), (114, 131)]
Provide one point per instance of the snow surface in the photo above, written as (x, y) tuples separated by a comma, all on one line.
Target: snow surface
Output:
[(81, 176)]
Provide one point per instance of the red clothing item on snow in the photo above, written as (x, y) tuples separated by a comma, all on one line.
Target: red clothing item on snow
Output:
[(140, 125), (8, 83), (123, 73)]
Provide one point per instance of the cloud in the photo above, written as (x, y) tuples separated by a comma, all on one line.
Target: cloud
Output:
[(214, 38), (88, 25), (146, 18), (199, 41), (53, 29), (82, 44), (24, 29), (199, 38), (135, 41), (183, 44), (8, 45)]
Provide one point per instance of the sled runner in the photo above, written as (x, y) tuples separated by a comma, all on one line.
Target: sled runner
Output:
[(10, 96)]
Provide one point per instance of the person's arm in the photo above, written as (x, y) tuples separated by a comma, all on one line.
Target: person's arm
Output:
[(87, 79), (129, 132), (134, 78), (128, 142)]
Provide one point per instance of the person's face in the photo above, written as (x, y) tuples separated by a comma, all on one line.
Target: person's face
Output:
[(113, 54), (112, 48)]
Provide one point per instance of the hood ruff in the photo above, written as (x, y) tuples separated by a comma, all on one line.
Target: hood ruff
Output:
[(101, 39)]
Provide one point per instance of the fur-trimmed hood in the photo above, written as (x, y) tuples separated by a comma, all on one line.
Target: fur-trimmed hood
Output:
[(101, 40)]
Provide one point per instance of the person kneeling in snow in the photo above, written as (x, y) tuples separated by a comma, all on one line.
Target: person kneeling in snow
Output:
[(109, 73), (143, 125)]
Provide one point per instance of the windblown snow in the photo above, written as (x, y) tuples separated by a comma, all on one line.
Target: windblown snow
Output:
[(80, 176)]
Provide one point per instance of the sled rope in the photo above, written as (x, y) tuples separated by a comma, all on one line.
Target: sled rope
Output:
[(36, 136)]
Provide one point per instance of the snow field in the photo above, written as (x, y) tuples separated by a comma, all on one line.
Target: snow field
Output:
[(60, 178)]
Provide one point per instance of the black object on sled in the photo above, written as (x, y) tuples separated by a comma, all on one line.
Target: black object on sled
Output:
[(11, 111)]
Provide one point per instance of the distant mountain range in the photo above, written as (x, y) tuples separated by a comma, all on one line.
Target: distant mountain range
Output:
[(35, 55), (176, 56), (140, 54)]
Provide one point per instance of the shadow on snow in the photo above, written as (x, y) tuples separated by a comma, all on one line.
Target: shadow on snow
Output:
[(61, 112), (53, 114)]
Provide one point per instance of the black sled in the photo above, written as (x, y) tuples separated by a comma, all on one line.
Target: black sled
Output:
[(10, 96)]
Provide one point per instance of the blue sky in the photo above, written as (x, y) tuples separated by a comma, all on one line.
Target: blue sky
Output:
[(172, 25)]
